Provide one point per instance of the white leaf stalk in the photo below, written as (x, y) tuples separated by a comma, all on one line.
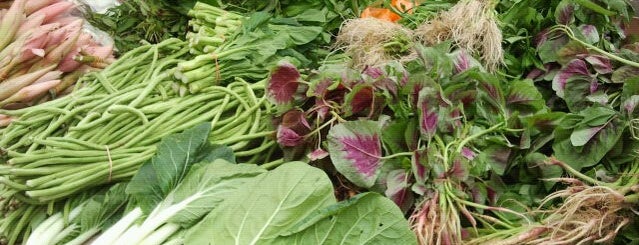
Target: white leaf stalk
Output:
[(52, 230)]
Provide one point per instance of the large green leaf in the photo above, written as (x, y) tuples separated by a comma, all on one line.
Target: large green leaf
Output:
[(367, 218), (265, 207), (162, 173), (206, 186)]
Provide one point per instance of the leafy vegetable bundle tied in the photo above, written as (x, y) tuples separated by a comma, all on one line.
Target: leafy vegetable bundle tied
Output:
[(110, 126)]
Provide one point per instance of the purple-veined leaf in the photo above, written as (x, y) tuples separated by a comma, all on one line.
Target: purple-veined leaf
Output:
[(373, 72), (479, 193), (590, 33), (576, 67), (386, 84), (580, 137), (600, 63), (398, 188), (317, 154), (283, 84), (428, 108), (459, 170), (468, 153), (359, 99), (496, 157), (631, 104), (296, 120), (564, 13), (419, 163), (621, 74), (355, 150), (288, 137), (570, 51), (463, 61), (319, 88)]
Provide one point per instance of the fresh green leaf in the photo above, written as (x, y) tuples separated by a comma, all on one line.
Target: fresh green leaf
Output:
[(367, 218), (266, 207), (162, 173)]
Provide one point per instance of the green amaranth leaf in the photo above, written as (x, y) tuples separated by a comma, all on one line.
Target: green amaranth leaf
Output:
[(265, 207), (367, 218), (162, 173), (524, 97), (593, 151)]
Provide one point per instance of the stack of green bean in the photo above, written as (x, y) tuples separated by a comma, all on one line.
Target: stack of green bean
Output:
[(105, 130)]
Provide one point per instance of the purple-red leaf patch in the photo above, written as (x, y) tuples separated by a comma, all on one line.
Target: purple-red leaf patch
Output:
[(576, 67), (355, 150), (283, 84), (398, 188), (428, 108)]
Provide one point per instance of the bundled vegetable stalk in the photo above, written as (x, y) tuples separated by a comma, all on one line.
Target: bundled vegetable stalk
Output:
[(211, 27), (43, 49), (179, 196), (112, 124), (135, 22), (110, 127), (229, 45), (590, 211)]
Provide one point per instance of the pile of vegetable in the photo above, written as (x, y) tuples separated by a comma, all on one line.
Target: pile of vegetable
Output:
[(328, 122), (43, 51)]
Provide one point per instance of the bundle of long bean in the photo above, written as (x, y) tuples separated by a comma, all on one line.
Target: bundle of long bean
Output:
[(105, 130)]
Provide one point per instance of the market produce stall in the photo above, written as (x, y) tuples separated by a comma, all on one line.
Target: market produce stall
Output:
[(319, 122)]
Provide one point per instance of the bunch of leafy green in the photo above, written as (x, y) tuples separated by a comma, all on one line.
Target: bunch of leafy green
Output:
[(438, 128), (134, 22)]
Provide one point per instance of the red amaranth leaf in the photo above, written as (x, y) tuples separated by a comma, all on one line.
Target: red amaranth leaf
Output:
[(317, 154), (283, 84), (398, 188), (356, 151), (419, 162), (360, 99), (428, 108), (576, 67), (288, 137), (600, 63)]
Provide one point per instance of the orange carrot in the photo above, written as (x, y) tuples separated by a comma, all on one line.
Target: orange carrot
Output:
[(380, 13)]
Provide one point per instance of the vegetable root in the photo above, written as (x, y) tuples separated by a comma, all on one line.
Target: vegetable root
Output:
[(472, 25)]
